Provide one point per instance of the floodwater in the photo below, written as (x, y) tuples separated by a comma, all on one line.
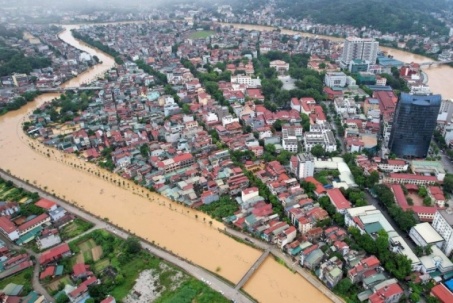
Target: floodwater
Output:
[(185, 232), (273, 282), (439, 77)]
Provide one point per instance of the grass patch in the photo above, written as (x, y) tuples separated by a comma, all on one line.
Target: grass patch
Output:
[(201, 34), (192, 291), (75, 228), (100, 265), (86, 245), (55, 285), (130, 272), (23, 278)]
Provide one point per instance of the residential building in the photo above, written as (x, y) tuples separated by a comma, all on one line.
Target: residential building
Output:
[(302, 165), (55, 254), (413, 124), (443, 224), (320, 135), (365, 49), (357, 65), (9, 229), (335, 79), (345, 106), (48, 238), (338, 200), (442, 293), (386, 292), (410, 179), (358, 272), (289, 143)]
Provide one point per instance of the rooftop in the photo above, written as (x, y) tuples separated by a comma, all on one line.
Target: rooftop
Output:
[(428, 233)]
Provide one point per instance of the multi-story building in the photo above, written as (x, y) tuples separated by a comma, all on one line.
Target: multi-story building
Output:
[(289, 143), (423, 234), (358, 48), (345, 106), (443, 224), (335, 79), (413, 124), (303, 165), (320, 135)]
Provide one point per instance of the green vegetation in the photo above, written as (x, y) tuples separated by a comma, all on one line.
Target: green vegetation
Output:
[(99, 45), (19, 102), (360, 178), (192, 291), (159, 78), (16, 194), (75, 228), (201, 34), (22, 278), (400, 16), (125, 260), (14, 61), (405, 219), (224, 207)]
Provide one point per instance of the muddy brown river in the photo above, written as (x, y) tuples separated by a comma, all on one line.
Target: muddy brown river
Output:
[(183, 231)]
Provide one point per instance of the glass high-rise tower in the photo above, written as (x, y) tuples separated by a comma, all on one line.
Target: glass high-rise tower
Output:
[(414, 122)]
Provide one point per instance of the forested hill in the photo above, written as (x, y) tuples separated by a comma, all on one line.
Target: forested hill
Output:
[(402, 16)]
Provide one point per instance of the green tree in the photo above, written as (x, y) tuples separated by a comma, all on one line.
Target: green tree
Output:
[(144, 150), (318, 151), (62, 298), (343, 286), (132, 245)]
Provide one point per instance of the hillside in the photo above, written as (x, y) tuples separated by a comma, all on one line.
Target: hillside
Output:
[(402, 16)]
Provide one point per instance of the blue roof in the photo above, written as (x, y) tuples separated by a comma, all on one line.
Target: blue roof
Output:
[(449, 284)]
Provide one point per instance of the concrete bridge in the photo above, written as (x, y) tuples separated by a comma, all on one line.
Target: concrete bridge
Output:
[(429, 64), (63, 89), (252, 270)]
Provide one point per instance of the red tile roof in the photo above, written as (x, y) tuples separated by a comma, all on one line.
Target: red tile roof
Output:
[(80, 268), (32, 222), (6, 225), (399, 196), (337, 199), (384, 293), (53, 253), (46, 204), (48, 272), (441, 292)]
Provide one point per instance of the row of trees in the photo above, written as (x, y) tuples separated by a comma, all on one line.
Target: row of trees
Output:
[(95, 43)]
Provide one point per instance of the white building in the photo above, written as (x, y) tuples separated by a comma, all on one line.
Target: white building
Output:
[(394, 166), (345, 106), (320, 135), (279, 65), (424, 234), (335, 79), (303, 165), (442, 223), (246, 80), (289, 143), (228, 120), (359, 48), (367, 218)]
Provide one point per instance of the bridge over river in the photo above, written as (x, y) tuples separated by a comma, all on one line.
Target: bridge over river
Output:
[(63, 89), (431, 63)]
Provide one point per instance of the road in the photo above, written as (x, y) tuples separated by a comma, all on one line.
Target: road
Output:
[(35, 281), (403, 234), (199, 273)]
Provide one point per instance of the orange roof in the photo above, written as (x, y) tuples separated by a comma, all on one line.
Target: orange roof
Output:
[(442, 293), (46, 204)]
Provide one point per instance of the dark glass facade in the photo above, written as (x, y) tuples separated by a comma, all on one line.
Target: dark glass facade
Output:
[(414, 122)]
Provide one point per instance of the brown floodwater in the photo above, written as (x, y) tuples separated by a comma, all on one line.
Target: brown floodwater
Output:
[(273, 282), (183, 231), (439, 77)]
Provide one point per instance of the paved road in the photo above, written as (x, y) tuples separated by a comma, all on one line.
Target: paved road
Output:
[(448, 166), (403, 234), (35, 281), (289, 262), (217, 284)]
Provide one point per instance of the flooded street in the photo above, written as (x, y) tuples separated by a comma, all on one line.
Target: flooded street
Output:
[(183, 231), (273, 282)]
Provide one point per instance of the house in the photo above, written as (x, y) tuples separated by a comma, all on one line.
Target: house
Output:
[(46, 204), (55, 254), (208, 197), (48, 272), (33, 223), (48, 238), (437, 195), (357, 273), (338, 200), (109, 299), (9, 229), (81, 271), (279, 65), (442, 293), (311, 257), (386, 292), (81, 292)]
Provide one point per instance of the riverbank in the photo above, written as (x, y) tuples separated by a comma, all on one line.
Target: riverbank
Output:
[(436, 76)]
